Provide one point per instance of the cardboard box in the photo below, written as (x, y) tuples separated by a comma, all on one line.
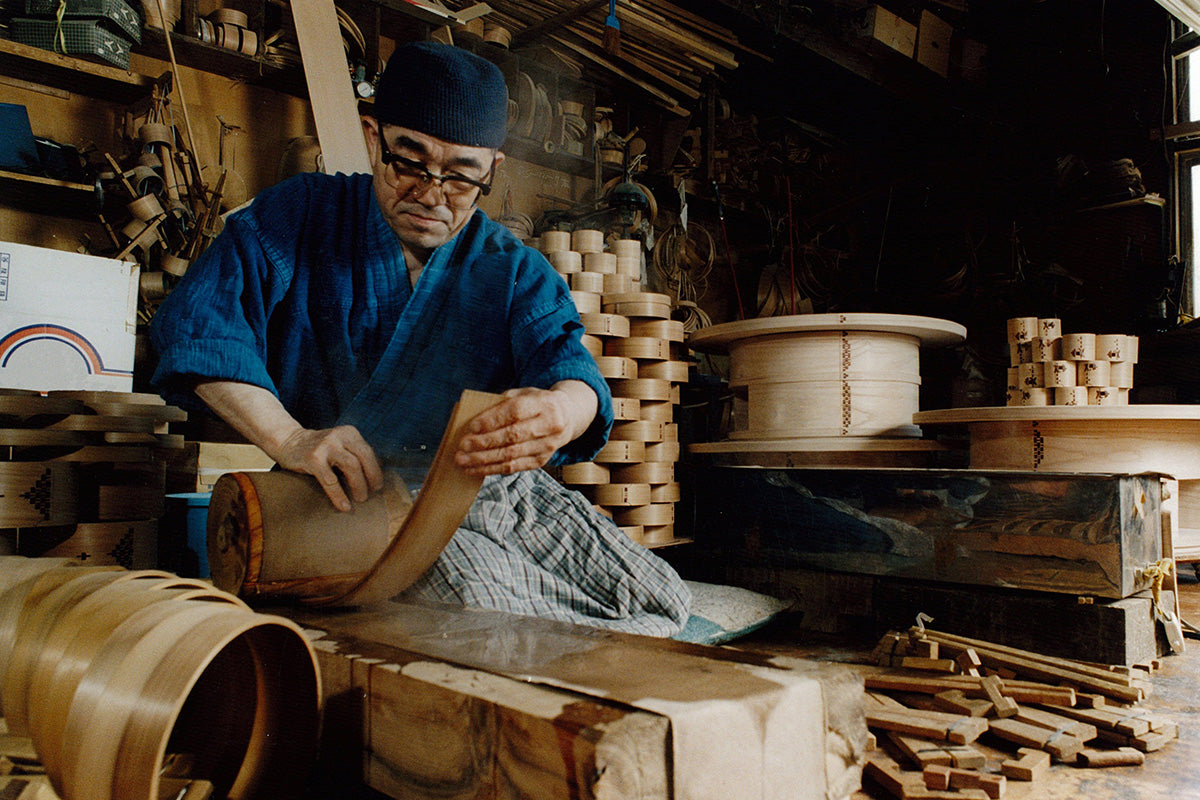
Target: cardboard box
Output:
[(933, 43), (884, 26), (67, 321)]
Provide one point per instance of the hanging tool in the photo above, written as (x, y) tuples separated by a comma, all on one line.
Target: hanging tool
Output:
[(612, 31)]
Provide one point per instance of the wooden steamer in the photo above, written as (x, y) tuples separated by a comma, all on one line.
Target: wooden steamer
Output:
[(116, 675), (825, 388)]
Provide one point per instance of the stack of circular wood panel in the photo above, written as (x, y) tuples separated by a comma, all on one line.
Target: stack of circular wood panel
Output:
[(82, 474), (818, 389), (1049, 367), (122, 677), (639, 350)]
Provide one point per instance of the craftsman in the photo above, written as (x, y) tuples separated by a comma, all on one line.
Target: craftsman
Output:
[(336, 320)]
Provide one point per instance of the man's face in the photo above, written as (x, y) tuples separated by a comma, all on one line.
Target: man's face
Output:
[(428, 191)]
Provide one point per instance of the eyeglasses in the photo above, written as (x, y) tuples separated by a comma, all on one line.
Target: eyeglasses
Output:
[(401, 172)]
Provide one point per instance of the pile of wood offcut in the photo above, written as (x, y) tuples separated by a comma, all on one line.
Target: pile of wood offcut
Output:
[(938, 693)]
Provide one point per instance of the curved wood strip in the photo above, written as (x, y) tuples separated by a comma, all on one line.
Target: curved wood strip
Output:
[(440, 507), (113, 681), (25, 595), (187, 697), (79, 635), (14, 569), (35, 625), (396, 542)]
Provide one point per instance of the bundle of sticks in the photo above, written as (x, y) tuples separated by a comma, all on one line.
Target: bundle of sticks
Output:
[(665, 50), (939, 693)]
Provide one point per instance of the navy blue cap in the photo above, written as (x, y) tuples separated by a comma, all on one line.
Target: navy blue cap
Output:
[(445, 92)]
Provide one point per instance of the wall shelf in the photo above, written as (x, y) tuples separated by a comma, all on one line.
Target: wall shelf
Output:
[(49, 196), (100, 81), (193, 53)]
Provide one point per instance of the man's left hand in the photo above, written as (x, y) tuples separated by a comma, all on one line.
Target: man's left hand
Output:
[(525, 429)]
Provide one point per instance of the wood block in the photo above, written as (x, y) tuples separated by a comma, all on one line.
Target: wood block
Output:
[(956, 702), (1060, 746), (933, 43), (910, 785), (923, 752), (936, 776), (930, 664), (1031, 766), (969, 663), (954, 728), (883, 26), (993, 687), (940, 777), (924, 648), (196, 466), (477, 703), (1083, 731), (1121, 757), (1147, 742)]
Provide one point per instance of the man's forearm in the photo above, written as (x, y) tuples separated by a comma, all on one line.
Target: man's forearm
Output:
[(582, 408), (253, 411)]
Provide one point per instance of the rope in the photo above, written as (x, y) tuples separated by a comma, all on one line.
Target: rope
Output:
[(60, 39)]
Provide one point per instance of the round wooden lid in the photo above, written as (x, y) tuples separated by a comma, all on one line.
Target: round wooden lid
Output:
[(931, 331)]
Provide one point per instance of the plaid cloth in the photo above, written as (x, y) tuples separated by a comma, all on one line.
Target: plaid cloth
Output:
[(534, 547)]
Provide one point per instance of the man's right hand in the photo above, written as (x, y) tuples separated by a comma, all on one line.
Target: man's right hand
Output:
[(339, 458)]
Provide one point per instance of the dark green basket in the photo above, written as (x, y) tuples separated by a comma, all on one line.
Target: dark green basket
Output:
[(116, 15), (84, 38)]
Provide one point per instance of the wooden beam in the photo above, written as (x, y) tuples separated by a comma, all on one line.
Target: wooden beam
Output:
[(530, 34)]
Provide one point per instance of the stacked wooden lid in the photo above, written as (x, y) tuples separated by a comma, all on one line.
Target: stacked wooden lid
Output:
[(640, 352), (82, 474), (1049, 367), (120, 677)]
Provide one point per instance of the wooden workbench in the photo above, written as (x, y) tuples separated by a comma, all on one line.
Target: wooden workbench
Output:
[(428, 700)]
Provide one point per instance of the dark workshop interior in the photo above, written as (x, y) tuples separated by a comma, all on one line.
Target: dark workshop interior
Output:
[(895, 302)]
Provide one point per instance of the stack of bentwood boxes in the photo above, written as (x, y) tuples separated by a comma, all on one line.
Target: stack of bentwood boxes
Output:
[(1050, 368), (640, 352)]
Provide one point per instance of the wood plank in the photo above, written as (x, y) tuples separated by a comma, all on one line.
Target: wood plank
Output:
[(954, 728), (335, 110), (1021, 691), (101, 81), (924, 751), (1060, 746), (1042, 667)]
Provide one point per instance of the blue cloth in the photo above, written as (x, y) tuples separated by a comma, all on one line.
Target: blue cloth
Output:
[(306, 293)]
